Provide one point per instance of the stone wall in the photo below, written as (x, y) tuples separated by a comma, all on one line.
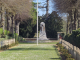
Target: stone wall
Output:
[(75, 51), (7, 42)]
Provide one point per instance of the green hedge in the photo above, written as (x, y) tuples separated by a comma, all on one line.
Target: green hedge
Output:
[(74, 38)]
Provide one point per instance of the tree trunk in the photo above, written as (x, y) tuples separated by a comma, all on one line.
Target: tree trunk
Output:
[(12, 28), (47, 8), (78, 18), (17, 23), (3, 18)]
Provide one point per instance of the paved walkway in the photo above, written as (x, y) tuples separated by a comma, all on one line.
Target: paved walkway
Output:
[(31, 52)]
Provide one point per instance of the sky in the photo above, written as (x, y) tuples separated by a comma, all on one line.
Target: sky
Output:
[(43, 10), (51, 8)]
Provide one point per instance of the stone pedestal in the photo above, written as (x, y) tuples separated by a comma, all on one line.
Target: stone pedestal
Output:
[(42, 34)]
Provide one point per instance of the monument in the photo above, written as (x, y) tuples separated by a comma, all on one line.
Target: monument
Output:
[(42, 34)]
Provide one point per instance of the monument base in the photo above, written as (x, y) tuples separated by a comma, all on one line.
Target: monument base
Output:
[(42, 39), (42, 36)]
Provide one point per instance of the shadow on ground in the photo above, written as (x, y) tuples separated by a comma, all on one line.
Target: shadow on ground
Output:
[(29, 49), (55, 58)]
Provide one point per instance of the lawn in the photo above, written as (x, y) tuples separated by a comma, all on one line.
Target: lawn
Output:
[(31, 52), (41, 43)]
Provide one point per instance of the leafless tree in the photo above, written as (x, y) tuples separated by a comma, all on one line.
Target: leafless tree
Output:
[(20, 7), (64, 5)]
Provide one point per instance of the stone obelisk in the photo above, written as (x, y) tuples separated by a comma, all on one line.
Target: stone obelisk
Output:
[(42, 34)]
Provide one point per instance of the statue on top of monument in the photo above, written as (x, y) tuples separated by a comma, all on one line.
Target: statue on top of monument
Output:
[(42, 34)]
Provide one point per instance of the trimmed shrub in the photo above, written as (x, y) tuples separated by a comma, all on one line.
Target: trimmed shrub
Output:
[(65, 52), (70, 59), (67, 37), (7, 46), (74, 38), (4, 47), (68, 55)]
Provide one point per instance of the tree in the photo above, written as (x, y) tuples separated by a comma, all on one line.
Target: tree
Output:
[(72, 8), (20, 7), (28, 27), (47, 7), (16, 11), (53, 24), (64, 5)]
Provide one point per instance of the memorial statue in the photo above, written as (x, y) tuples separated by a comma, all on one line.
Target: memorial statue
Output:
[(42, 34)]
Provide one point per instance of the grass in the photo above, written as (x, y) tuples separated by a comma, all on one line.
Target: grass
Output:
[(41, 43), (30, 52), (53, 42), (49, 43)]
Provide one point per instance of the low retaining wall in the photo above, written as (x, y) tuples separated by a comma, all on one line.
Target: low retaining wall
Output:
[(7, 42), (75, 51), (36, 39)]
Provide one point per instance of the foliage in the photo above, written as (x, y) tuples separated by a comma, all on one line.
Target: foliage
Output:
[(19, 7), (28, 27), (16, 36), (65, 52), (5, 32), (4, 47), (10, 34), (1, 31), (3, 36), (21, 39), (8, 46), (74, 38), (70, 59), (53, 24)]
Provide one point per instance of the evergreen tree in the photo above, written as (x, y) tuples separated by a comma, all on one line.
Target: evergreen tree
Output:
[(28, 27), (53, 24)]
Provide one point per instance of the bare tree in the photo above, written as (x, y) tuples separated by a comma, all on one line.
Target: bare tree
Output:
[(16, 10), (20, 7), (64, 5), (47, 7)]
